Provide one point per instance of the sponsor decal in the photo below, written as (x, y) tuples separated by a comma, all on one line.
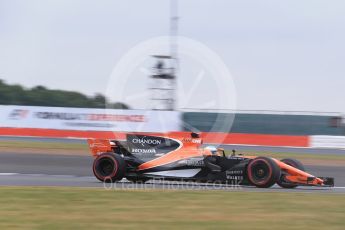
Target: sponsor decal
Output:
[(89, 117), (193, 162), (85, 124), (192, 140), (144, 151), (97, 145), (237, 178), (60, 116), (115, 117), (146, 141), (236, 158), (234, 172), (234, 175), (17, 114), (150, 146)]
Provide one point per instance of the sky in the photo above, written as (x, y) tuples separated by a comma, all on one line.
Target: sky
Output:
[(282, 55)]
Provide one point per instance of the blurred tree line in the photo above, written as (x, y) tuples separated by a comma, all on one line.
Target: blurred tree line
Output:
[(41, 96)]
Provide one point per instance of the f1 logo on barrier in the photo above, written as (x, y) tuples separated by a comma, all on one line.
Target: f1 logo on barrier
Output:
[(18, 114)]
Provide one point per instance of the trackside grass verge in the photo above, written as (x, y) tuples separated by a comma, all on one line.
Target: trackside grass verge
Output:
[(78, 208), (46, 147)]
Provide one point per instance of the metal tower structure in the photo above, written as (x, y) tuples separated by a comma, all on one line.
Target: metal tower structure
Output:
[(163, 78)]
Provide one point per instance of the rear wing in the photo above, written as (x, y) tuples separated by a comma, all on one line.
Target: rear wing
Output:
[(98, 146)]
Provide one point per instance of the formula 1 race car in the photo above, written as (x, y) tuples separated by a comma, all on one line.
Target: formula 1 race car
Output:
[(182, 157)]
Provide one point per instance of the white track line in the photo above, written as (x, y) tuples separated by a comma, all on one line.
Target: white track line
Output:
[(8, 174)]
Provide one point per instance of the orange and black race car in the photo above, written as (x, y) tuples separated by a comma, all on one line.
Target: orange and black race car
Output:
[(177, 156)]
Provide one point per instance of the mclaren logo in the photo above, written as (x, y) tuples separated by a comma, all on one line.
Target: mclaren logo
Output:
[(146, 141)]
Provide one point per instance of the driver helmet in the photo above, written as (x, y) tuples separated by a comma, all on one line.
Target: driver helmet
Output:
[(212, 149)]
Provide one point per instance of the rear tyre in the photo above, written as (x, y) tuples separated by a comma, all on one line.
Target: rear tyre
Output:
[(263, 172), (109, 167), (282, 182)]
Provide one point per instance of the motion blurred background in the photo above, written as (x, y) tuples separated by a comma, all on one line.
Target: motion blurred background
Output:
[(57, 60), (285, 60)]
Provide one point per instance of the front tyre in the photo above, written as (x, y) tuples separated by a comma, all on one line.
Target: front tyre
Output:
[(282, 182), (263, 172), (109, 167)]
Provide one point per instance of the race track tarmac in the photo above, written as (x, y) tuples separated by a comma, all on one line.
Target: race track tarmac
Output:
[(29, 169)]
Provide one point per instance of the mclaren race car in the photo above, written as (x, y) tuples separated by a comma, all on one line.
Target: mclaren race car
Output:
[(182, 157)]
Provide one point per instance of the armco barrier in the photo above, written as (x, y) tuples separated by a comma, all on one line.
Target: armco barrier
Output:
[(84, 123), (216, 138)]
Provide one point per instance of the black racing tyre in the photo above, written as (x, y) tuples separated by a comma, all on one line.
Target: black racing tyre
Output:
[(263, 172), (109, 167), (294, 163)]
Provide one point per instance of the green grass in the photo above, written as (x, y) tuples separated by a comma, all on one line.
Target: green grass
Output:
[(77, 208), (44, 145)]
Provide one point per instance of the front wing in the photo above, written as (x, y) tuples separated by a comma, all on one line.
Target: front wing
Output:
[(299, 177)]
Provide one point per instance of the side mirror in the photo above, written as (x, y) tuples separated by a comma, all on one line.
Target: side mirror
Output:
[(195, 135)]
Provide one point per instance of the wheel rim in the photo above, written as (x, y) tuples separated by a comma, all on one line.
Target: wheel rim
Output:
[(260, 172), (106, 167)]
